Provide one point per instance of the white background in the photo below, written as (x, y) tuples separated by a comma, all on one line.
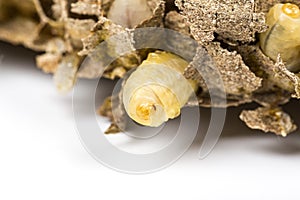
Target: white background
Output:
[(41, 156)]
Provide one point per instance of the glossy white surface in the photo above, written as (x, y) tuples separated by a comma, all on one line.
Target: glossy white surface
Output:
[(42, 157)]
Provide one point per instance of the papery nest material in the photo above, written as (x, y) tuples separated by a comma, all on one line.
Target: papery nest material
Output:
[(66, 32)]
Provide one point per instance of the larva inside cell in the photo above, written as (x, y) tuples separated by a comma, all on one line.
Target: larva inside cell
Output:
[(129, 13), (157, 90), (283, 35)]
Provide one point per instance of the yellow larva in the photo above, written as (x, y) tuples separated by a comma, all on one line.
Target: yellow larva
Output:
[(283, 35), (157, 90)]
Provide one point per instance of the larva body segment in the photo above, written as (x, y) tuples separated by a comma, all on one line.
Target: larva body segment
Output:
[(129, 13), (283, 35), (157, 90)]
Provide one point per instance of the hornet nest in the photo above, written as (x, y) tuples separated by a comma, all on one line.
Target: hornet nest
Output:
[(253, 43)]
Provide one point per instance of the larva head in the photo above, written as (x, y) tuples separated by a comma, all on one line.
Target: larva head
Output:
[(282, 36), (153, 105), (291, 10), (157, 90)]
